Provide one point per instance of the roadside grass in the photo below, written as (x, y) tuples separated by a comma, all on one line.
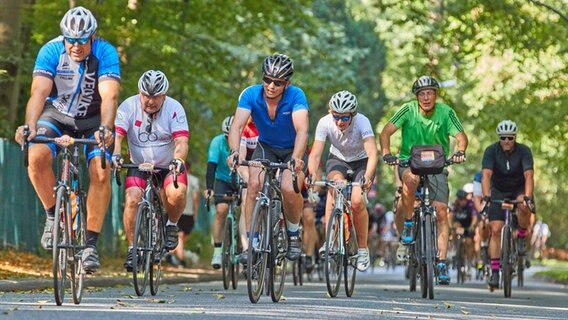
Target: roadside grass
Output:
[(557, 271)]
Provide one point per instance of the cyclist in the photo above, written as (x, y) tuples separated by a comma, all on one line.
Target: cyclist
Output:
[(280, 112), (218, 182), (540, 235), (187, 220), (425, 121), (309, 232), (464, 216), (75, 87), (353, 147), (157, 132), (508, 173)]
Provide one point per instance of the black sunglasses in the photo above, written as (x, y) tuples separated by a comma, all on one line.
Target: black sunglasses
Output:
[(507, 138), (342, 118), (277, 83)]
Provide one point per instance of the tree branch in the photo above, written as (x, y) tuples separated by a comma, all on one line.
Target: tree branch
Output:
[(549, 7)]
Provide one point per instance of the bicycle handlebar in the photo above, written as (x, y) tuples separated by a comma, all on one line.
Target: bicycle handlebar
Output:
[(267, 164), (144, 167), (72, 141)]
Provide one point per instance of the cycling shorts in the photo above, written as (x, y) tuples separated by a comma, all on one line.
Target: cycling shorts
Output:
[(439, 190), (264, 151), (164, 177), (495, 212), (53, 124), (222, 188), (358, 166), (186, 223)]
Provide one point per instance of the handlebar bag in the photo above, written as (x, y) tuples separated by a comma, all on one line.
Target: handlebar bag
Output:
[(427, 159)]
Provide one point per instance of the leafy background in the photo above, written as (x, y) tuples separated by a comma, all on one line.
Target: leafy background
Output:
[(504, 59)]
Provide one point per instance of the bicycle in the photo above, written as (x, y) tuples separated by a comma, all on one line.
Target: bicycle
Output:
[(149, 243), (460, 255), (424, 252), (298, 266), (510, 258), (70, 222), (230, 244), (268, 242), (341, 238)]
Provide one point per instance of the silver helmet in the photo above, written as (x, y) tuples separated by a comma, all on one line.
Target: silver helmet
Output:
[(78, 23), (506, 127), (226, 126), (278, 66), (343, 102), (153, 83), (425, 82)]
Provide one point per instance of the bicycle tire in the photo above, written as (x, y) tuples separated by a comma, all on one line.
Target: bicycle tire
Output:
[(460, 262), (80, 238), (350, 260), (520, 271), (333, 265), (506, 247), (60, 243), (226, 262), (234, 257), (257, 259), (158, 251), (295, 272), (141, 247), (415, 257), (278, 261), (429, 247)]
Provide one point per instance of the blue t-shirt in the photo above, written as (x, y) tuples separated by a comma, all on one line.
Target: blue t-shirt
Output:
[(280, 132), (75, 84), (218, 153)]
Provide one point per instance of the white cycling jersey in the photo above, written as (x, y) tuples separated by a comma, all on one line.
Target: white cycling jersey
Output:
[(346, 145), (151, 138)]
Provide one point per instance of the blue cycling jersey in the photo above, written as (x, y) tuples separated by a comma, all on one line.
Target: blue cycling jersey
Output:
[(75, 91), (280, 132), (218, 153), (477, 177)]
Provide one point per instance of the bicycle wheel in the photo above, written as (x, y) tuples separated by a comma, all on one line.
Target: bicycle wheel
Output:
[(506, 245), (278, 261), (142, 248), (296, 271), (226, 262), (350, 259), (234, 256), (60, 244), (460, 261), (520, 271), (333, 261), (429, 249), (158, 251), (258, 251), (80, 241)]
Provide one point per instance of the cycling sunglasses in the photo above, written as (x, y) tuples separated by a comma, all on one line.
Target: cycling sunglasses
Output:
[(342, 118), (277, 83), (72, 41), (507, 138)]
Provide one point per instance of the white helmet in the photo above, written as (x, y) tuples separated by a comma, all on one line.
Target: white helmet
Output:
[(78, 23), (506, 127), (226, 126), (468, 187), (343, 102), (153, 83)]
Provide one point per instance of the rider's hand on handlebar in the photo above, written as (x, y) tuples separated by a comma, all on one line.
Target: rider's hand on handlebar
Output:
[(313, 197), (109, 136), (485, 202), (178, 165), (64, 140), (529, 202), (390, 159), (19, 136), (459, 157), (208, 193), (296, 164), (117, 161), (233, 159)]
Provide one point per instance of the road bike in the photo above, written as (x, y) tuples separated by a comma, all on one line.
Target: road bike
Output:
[(70, 221), (511, 261), (423, 253), (460, 257), (341, 247), (268, 241), (231, 243), (149, 244)]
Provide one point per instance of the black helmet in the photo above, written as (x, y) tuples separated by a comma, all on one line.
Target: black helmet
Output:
[(425, 82), (278, 66), (461, 194)]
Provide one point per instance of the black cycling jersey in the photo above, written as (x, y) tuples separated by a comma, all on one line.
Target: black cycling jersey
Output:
[(508, 169), (464, 215)]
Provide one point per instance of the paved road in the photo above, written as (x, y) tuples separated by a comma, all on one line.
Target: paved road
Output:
[(379, 294)]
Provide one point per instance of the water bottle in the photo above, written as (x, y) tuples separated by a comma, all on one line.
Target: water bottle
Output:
[(75, 200)]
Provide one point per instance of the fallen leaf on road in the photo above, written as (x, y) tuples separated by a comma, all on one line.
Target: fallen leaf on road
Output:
[(220, 296), (448, 305)]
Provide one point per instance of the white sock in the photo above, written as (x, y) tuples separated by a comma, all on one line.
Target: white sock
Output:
[(170, 223)]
